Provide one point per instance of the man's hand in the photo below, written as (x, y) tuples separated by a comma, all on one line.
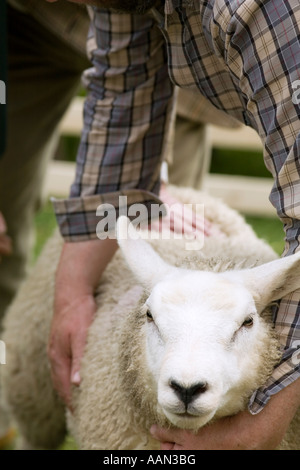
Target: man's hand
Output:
[(180, 218), (183, 219), (244, 431), (5, 241), (79, 271), (67, 341)]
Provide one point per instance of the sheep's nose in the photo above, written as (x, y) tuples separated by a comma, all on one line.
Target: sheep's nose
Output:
[(187, 394)]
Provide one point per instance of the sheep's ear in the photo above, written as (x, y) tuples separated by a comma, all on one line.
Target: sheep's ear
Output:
[(273, 280), (148, 267)]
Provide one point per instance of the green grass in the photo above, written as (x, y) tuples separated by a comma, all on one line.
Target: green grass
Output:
[(237, 162), (45, 224), (270, 229)]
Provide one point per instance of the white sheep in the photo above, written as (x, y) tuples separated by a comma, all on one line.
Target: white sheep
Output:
[(180, 338)]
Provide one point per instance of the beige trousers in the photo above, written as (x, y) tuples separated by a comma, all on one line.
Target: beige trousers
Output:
[(44, 75)]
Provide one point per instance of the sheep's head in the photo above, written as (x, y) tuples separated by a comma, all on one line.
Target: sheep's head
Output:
[(207, 345)]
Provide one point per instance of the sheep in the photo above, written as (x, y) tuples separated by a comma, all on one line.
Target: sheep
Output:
[(180, 338)]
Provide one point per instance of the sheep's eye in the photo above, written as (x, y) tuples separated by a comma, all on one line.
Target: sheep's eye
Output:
[(149, 315), (248, 322)]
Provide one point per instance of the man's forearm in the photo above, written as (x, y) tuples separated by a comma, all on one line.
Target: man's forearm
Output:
[(81, 266)]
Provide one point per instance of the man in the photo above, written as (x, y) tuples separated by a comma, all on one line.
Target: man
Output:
[(243, 56), (43, 75), (46, 47)]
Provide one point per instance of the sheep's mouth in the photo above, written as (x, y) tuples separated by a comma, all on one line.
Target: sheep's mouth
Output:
[(186, 420), (191, 412), (186, 414)]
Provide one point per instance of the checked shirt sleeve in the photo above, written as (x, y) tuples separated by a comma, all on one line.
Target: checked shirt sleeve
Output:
[(263, 53), (127, 114)]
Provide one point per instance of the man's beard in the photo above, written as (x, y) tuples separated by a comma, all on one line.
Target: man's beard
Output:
[(127, 6)]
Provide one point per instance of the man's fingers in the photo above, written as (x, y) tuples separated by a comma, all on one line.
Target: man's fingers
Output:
[(5, 241), (77, 350), (178, 222), (60, 373), (164, 435), (167, 446), (61, 382), (176, 438), (5, 245), (65, 369), (185, 218), (3, 227)]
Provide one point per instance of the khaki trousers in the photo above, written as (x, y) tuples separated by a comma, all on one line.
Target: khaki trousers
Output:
[(44, 70), (44, 75)]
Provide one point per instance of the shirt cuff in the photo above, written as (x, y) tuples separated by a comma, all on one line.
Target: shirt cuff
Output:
[(285, 374), (91, 217), (286, 317)]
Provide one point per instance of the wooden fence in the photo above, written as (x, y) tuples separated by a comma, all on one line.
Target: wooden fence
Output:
[(249, 195)]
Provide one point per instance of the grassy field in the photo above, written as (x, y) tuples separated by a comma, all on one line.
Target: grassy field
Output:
[(45, 224)]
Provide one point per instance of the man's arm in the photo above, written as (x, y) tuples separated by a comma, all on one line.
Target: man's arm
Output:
[(267, 71), (244, 431), (260, 44), (126, 114)]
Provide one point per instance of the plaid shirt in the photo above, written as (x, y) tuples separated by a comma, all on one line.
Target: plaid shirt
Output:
[(244, 56)]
